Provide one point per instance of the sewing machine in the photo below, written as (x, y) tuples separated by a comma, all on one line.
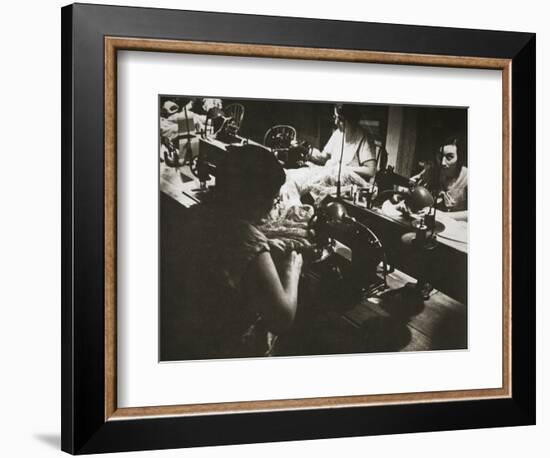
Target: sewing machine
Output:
[(350, 260)]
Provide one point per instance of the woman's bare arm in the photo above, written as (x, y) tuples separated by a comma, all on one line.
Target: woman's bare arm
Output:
[(274, 294), (367, 170)]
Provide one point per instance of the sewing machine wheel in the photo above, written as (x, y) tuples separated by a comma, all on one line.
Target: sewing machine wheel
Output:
[(170, 153), (201, 169), (194, 166)]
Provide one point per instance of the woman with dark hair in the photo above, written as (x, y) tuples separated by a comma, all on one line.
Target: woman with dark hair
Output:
[(234, 297), (349, 142), (447, 177), (350, 145)]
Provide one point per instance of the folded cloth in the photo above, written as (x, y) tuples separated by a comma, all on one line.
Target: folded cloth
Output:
[(318, 181), (287, 228)]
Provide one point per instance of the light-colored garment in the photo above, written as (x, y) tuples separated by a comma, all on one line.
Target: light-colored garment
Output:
[(179, 123), (168, 128), (320, 181), (356, 151)]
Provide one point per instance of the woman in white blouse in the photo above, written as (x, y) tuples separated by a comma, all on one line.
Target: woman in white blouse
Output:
[(351, 144)]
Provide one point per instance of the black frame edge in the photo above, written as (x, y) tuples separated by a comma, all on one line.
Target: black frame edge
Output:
[(180, 432), (67, 387), (287, 31), (524, 237)]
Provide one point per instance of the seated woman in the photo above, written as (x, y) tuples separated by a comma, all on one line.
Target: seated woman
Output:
[(175, 120), (349, 141), (233, 296), (447, 177), (351, 144), (175, 123)]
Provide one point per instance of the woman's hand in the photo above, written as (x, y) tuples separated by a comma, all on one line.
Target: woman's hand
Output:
[(277, 248), (292, 264), (318, 157), (402, 207), (418, 180)]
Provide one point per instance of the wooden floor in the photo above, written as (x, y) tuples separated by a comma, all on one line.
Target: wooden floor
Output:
[(393, 320), (435, 324)]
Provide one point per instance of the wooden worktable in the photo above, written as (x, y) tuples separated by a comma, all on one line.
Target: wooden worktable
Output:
[(445, 266)]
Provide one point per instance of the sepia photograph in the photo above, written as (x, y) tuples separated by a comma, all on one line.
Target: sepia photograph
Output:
[(269, 219), (295, 228)]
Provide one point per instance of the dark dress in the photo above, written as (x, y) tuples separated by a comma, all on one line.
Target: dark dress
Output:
[(214, 319)]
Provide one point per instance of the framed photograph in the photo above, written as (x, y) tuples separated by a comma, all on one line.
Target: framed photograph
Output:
[(284, 228)]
